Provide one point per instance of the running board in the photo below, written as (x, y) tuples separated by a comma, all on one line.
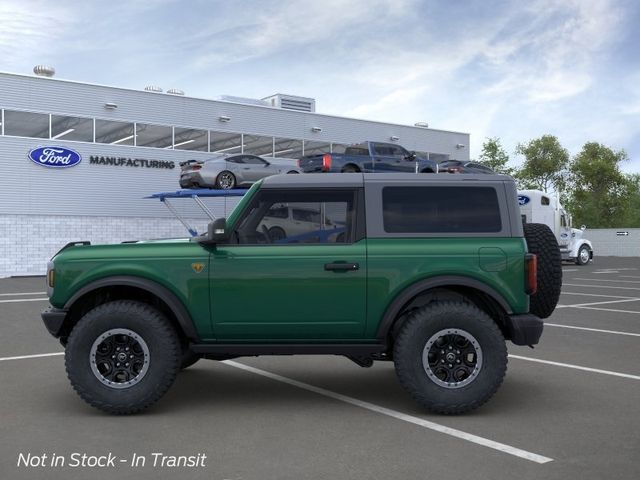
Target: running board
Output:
[(355, 349)]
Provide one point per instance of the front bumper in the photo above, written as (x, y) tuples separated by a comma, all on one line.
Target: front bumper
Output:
[(525, 329), (53, 319)]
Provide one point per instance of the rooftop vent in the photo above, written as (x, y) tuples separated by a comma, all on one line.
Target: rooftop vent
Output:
[(175, 91), (291, 102), (153, 88), (44, 71)]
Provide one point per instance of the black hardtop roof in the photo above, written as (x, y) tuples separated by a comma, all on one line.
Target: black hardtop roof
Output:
[(337, 180)]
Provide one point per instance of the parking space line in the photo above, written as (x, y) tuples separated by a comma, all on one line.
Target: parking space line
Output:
[(609, 310), (594, 295), (598, 303), (629, 276), (598, 330), (533, 457), (600, 286), (21, 293), (603, 280), (577, 367), (24, 357), (18, 300), (570, 269)]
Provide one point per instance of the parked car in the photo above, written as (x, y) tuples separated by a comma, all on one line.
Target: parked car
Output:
[(432, 272), (460, 166), (227, 172), (288, 224), (369, 157)]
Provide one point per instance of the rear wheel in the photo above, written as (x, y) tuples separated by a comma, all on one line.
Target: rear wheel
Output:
[(122, 356), (350, 169), (542, 242), (225, 180), (450, 356)]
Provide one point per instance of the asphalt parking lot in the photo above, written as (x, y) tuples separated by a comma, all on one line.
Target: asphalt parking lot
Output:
[(568, 409)]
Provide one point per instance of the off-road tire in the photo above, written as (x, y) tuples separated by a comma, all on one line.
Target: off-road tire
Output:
[(165, 355), (579, 260), (410, 343), (542, 242)]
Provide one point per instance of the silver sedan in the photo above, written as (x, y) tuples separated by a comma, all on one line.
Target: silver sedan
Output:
[(227, 172)]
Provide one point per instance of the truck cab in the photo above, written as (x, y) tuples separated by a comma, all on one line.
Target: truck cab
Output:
[(537, 206)]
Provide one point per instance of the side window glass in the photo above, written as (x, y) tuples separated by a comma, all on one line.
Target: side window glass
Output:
[(250, 159), (309, 217)]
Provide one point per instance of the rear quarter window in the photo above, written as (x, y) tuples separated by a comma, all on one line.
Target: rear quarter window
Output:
[(435, 209)]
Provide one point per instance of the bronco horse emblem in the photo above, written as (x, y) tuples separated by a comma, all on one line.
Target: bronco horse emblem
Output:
[(197, 267)]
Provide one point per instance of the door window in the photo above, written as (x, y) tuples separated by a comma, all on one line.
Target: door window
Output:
[(309, 217)]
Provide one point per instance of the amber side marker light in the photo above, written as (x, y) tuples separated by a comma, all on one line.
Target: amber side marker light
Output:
[(531, 273), (51, 277)]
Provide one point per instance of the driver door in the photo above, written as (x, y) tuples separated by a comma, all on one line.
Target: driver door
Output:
[(296, 284)]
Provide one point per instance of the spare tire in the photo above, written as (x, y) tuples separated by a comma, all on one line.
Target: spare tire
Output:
[(542, 242)]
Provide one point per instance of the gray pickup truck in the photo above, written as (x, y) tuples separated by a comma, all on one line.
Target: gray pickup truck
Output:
[(369, 157)]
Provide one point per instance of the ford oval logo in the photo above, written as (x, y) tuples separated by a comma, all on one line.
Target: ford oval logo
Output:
[(55, 157), (564, 235), (523, 199)]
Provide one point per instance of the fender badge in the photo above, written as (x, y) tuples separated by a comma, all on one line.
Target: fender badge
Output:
[(197, 267)]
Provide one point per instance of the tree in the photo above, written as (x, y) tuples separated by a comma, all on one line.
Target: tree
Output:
[(494, 156), (601, 192), (545, 164)]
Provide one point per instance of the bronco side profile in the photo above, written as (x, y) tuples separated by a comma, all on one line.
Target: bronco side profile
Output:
[(431, 272)]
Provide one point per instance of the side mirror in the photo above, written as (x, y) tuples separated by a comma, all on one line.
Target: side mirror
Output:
[(583, 228), (411, 156), (216, 233)]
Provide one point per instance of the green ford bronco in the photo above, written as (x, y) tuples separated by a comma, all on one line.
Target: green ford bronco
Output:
[(432, 272)]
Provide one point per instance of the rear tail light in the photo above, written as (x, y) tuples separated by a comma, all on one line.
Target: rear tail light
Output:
[(298, 162), (531, 274), (326, 162), (455, 169)]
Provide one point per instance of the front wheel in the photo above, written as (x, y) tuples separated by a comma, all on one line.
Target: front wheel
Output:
[(450, 356), (584, 255), (122, 356)]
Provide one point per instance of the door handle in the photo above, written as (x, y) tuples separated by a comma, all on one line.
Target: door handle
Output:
[(341, 267)]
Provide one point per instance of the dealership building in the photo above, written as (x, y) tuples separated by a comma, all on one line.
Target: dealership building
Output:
[(120, 145)]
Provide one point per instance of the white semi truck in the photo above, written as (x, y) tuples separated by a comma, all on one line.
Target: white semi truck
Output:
[(540, 207)]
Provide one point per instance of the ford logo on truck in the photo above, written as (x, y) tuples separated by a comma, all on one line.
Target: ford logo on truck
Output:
[(523, 199), (55, 157)]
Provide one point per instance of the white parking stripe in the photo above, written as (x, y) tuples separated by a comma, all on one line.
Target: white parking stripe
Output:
[(595, 295), (570, 269), (603, 280), (598, 330), (397, 415), (629, 276), (18, 300), (600, 286), (577, 367), (24, 357), (609, 310), (598, 303), (22, 293)]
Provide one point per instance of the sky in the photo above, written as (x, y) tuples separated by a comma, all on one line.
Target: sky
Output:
[(492, 68)]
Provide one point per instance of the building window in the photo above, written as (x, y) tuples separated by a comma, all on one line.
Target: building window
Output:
[(157, 136), (440, 210), (257, 145), (316, 148), (287, 148), (26, 124), (338, 147), (71, 128), (227, 143), (115, 133), (190, 139)]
